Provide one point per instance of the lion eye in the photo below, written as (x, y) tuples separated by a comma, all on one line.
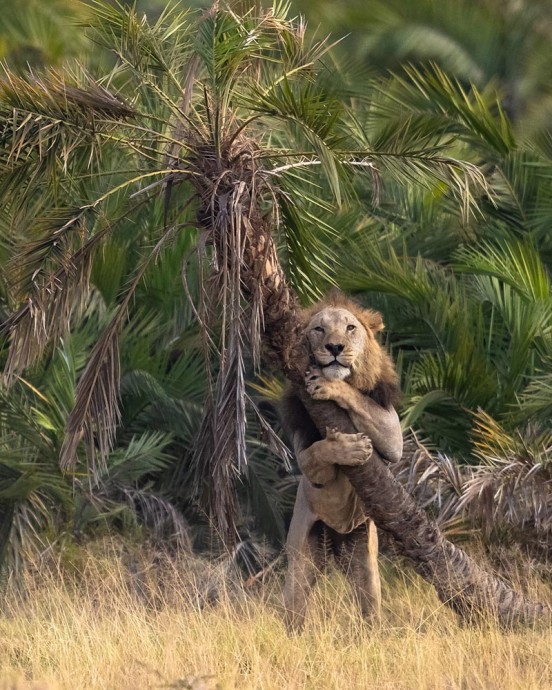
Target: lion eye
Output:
[(319, 329), (350, 327)]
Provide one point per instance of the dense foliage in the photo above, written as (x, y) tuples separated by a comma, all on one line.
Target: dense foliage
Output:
[(425, 190)]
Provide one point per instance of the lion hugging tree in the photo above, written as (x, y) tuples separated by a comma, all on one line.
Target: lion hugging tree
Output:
[(348, 366)]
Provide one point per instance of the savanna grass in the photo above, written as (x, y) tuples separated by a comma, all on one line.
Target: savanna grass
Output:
[(113, 619)]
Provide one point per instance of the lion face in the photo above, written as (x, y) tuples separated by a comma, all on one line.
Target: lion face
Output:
[(341, 338), (338, 341)]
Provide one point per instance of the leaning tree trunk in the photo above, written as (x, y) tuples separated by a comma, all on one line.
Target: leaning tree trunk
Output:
[(460, 582)]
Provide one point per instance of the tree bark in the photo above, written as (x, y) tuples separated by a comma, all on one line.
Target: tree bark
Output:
[(459, 581)]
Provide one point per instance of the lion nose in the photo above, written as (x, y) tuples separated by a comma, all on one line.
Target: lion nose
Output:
[(334, 349)]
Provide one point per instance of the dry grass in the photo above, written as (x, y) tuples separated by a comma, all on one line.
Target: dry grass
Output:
[(110, 620)]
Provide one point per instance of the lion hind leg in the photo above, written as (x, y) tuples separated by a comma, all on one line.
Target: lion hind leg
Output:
[(304, 566), (306, 559), (356, 554), (300, 580)]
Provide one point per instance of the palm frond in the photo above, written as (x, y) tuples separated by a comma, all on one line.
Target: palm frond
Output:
[(476, 117), (313, 113), (535, 402), (144, 456), (96, 412), (160, 515), (516, 263), (46, 315), (51, 117), (53, 278), (145, 46), (513, 483)]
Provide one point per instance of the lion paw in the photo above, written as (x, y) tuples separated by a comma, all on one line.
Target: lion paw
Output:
[(312, 374), (321, 392), (320, 388), (351, 449)]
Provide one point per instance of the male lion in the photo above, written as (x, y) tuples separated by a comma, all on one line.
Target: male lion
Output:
[(348, 366)]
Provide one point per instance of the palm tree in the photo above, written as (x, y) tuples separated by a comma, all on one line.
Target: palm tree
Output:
[(241, 118)]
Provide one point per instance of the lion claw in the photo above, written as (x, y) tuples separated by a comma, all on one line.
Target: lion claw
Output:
[(355, 449), (314, 383)]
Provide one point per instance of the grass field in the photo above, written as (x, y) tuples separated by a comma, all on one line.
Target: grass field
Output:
[(106, 619)]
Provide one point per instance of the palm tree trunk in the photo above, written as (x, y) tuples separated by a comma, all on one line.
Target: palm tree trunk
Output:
[(460, 582), (282, 330)]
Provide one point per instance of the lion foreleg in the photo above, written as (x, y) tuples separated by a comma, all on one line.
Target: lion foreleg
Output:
[(380, 424)]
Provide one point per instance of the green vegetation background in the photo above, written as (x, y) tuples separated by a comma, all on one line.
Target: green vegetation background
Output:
[(464, 286)]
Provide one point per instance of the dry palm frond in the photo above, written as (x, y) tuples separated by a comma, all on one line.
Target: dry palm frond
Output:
[(54, 280), (512, 486), (45, 120), (272, 440), (226, 185), (55, 96), (166, 522), (436, 482), (96, 412), (46, 314)]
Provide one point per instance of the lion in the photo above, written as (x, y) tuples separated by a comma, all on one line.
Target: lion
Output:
[(348, 366)]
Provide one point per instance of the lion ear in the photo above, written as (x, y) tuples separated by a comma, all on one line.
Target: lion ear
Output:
[(374, 320)]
